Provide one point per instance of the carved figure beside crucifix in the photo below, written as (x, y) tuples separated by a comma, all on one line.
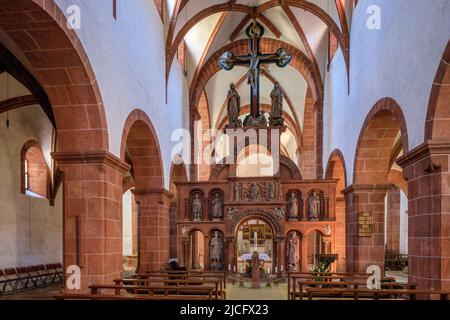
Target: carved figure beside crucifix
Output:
[(254, 60)]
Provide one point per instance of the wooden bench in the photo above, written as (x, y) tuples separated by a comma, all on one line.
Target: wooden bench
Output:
[(346, 285), (156, 290), (176, 283), (356, 294), (190, 279), (128, 297), (294, 276)]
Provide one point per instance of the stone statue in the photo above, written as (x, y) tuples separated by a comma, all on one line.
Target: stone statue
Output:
[(314, 206), (217, 207), (233, 107), (293, 207), (253, 71), (254, 192), (328, 230), (271, 191), (293, 252), (237, 192), (197, 208), (276, 115), (279, 213), (216, 252)]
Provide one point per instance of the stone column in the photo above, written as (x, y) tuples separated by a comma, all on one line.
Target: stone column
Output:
[(304, 255), (365, 251), (206, 257), (426, 169), (186, 247), (231, 259), (393, 220), (195, 251), (153, 228), (278, 254), (92, 215)]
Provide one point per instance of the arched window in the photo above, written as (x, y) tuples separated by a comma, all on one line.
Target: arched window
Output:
[(35, 174)]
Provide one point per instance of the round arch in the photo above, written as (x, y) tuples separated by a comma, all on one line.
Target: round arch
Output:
[(437, 123), (63, 68), (376, 140), (336, 169), (140, 144)]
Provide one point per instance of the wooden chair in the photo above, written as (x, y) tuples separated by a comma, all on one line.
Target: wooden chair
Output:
[(13, 280), (25, 278), (54, 273), (3, 283)]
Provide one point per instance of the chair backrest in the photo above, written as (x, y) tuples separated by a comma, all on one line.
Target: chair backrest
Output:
[(11, 272), (50, 266), (21, 270)]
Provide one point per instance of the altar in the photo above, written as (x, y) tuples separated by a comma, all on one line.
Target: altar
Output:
[(248, 257), (286, 219)]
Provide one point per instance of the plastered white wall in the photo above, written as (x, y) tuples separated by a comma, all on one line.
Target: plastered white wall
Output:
[(30, 229), (399, 61), (128, 59)]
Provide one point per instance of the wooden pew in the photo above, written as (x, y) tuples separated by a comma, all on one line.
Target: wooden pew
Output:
[(347, 285), (173, 283), (330, 279), (190, 279), (208, 274), (156, 291), (314, 275), (356, 294), (128, 297)]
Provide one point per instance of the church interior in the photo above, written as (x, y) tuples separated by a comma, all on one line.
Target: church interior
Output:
[(225, 149)]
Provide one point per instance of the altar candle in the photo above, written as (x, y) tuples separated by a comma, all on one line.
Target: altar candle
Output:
[(281, 268), (242, 270), (229, 267), (234, 269), (268, 270), (276, 269)]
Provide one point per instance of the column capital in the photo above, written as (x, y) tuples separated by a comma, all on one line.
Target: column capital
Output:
[(161, 192), (432, 156), (91, 157), (424, 150), (367, 188)]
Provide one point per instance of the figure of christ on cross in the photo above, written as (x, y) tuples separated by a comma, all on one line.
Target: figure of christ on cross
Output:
[(254, 60)]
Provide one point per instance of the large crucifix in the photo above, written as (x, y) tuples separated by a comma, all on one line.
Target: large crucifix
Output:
[(254, 60)]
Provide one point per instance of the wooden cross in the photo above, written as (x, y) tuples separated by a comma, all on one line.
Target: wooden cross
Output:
[(254, 60)]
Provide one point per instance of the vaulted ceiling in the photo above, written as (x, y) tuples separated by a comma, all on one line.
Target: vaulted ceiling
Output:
[(209, 27)]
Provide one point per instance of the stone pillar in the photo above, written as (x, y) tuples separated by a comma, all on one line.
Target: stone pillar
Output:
[(426, 169), (206, 251), (365, 251), (92, 215), (339, 234), (195, 253), (186, 259), (153, 229), (278, 254), (231, 259), (134, 226), (173, 230), (393, 220), (304, 255)]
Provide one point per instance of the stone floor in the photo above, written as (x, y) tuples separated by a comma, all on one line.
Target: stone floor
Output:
[(37, 294), (233, 291), (273, 293)]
